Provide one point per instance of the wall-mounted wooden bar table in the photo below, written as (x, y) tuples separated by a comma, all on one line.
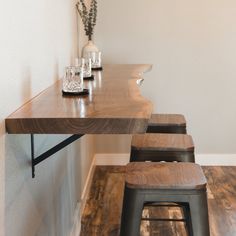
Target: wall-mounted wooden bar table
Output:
[(114, 106)]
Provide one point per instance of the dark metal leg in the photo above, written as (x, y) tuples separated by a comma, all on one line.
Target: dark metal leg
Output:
[(132, 156), (199, 214), (187, 157), (187, 216), (131, 213), (36, 160), (32, 155)]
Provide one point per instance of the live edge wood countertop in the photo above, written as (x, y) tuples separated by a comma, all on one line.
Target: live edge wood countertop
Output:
[(114, 106)]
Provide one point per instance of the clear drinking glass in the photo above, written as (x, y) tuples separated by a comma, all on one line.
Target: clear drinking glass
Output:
[(73, 79), (86, 64), (87, 67), (96, 59)]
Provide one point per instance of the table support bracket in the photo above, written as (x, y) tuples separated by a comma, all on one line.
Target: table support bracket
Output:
[(36, 160)]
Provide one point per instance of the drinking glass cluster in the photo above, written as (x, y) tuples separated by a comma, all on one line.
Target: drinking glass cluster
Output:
[(74, 75)]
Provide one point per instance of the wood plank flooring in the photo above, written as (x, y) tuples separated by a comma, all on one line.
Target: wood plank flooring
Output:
[(101, 216)]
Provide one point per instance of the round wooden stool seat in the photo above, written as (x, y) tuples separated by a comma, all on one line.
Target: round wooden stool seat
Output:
[(167, 123), (162, 147), (160, 183)]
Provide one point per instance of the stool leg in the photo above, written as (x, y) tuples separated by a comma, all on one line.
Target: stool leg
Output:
[(131, 213), (132, 155), (186, 211), (199, 215), (187, 157)]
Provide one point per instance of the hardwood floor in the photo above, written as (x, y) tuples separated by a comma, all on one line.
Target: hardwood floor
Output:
[(101, 216)]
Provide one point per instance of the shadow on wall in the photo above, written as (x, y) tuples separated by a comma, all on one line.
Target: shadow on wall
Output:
[(2, 175), (26, 85), (56, 71), (44, 205)]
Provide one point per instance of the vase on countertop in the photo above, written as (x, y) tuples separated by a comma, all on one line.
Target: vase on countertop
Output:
[(89, 47), (88, 13)]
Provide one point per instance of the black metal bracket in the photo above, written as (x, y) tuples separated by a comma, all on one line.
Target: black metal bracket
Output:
[(36, 160)]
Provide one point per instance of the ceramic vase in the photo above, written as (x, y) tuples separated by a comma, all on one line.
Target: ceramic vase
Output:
[(89, 47)]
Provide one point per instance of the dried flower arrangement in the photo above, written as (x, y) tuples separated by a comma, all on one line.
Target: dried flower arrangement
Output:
[(88, 16)]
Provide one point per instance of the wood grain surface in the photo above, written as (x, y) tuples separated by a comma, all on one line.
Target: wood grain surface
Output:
[(167, 119), (162, 142), (101, 216), (114, 106), (148, 175)]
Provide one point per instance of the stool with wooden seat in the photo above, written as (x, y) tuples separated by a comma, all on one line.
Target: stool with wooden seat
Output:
[(167, 123), (181, 183), (162, 147)]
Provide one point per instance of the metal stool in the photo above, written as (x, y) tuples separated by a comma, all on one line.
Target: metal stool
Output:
[(181, 183), (162, 147), (167, 123)]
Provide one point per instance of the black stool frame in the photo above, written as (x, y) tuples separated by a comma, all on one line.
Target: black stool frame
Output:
[(175, 129), (194, 203), (156, 156)]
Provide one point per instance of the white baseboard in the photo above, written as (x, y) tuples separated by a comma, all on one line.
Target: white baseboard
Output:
[(80, 205), (202, 159), (216, 159), (87, 185)]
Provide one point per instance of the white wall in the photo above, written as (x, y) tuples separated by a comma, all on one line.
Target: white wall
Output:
[(192, 47), (37, 40)]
